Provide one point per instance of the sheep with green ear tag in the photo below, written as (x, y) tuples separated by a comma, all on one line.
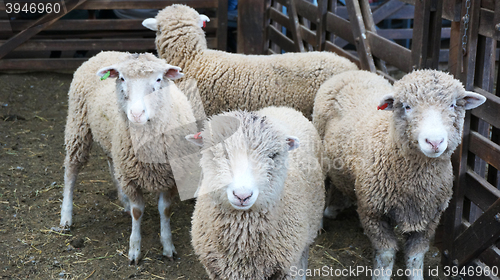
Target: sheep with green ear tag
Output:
[(130, 109)]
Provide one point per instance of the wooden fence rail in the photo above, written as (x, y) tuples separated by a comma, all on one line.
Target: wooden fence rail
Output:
[(28, 44)]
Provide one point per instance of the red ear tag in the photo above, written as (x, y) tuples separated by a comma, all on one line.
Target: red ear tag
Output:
[(204, 24), (197, 135), (383, 106)]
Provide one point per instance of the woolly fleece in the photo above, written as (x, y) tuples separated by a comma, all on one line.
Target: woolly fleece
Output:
[(94, 115), (242, 82), (379, 163), (266, 240)]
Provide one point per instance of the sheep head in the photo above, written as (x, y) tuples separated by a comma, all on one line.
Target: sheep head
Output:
[(178, 31), (244, 160), (138, 82), (429, 109)]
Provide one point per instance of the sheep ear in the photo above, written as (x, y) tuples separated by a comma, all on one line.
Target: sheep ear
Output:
[(293, 142), (387, 103), (203, 21), (195, 139), (102, 73), (473, 100), (173, 72), (150, 23)]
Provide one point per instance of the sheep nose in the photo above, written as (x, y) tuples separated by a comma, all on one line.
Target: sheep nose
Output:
[(242, 197), (137, 115), (434, 143)]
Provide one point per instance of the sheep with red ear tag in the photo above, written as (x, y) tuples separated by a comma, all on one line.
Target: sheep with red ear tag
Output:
[(132, 109), (261, 198), (229, 81), (393, 146)]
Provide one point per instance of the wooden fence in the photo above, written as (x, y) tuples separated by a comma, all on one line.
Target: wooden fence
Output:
[(27, 44), (469, 233)]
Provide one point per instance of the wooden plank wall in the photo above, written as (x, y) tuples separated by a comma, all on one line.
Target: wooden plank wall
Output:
[(471, 223), (28, 44)]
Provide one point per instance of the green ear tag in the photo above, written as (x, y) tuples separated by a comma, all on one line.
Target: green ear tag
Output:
[(106, 75)]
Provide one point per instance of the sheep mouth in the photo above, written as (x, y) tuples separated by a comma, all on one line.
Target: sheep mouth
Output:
[(433, 154), (239, 206)]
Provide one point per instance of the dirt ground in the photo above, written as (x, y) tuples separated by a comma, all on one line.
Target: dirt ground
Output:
[(33, 110)]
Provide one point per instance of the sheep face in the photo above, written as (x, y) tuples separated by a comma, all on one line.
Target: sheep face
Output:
[(429, 109), (246, 168), (139, 81)]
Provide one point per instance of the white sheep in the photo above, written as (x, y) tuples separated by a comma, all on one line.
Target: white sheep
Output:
[(230, 81), (260, 203), (395, 162), (131, 115)]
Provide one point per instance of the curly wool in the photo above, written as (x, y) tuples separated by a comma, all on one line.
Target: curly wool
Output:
[(266, 240), (382, 166), (235, 81), (94, 115)]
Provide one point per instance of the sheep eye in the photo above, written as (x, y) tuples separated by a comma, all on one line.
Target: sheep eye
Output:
[(407, 107), (121, 78), (452, 106), (159, 80)]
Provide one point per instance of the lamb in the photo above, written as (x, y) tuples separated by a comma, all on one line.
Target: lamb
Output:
[(395, 163), (235, 81), (131, 119), (260, 203)]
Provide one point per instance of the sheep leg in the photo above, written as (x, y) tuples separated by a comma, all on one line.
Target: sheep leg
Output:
[(78, 143), (137, 211), (384, 242), (303, 263), (70, 175), (123, 197), (416, 246), (336, 201), (164, 207)]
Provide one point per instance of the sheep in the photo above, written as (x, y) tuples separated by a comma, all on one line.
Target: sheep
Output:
[(394, 163), (230, 81), (260, 204), (130, 115)]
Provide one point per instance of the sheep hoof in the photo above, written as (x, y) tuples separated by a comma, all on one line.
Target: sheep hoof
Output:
[(169, 254), (134, 262), (61, 228), (331, 212)]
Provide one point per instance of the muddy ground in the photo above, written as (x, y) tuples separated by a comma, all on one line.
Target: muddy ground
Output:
[(33, 110)]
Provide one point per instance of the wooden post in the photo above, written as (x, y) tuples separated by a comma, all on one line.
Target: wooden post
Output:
[(359, 33), (420, 34), (295, 26), (370, 26), (251, 26), (222, 25)]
